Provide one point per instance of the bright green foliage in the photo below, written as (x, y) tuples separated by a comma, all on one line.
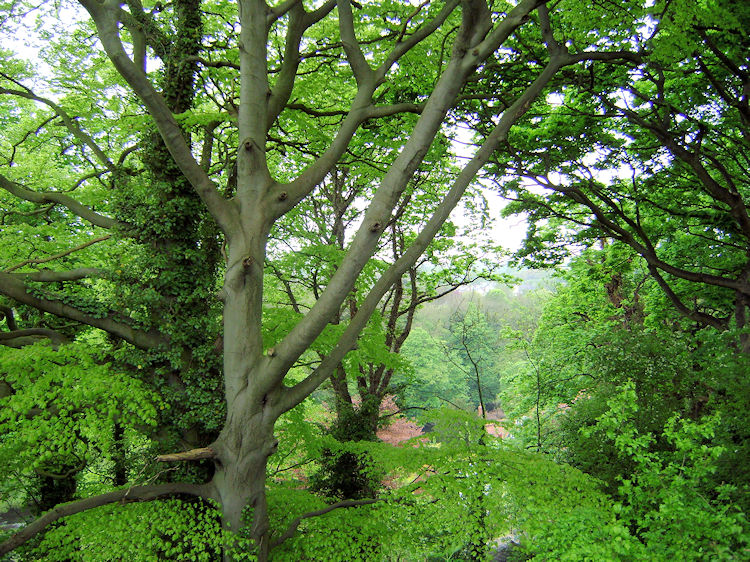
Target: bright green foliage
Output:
[(665, 497), (642, 162), (472, 347), (489, 325), (148, 532), (448, 499), (633, 394), (63, 409), (432, 379)]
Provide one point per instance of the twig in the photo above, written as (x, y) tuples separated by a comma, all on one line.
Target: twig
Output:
[(59, 255)]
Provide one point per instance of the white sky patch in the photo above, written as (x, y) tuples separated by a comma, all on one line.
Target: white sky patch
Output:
[(507, 232)]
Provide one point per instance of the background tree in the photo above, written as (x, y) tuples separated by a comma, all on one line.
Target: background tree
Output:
[(655, 164), (634, 399), (319, 232), (662, 193)]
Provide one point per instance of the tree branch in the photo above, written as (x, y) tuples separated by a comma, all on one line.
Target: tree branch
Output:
[(276, 12), (12, 285), (10, 319), (299, 21), (387, 110), (391, 187), (362, 72), (285, 81), (192, 455), (134, 494), (720, 324), (285, 197), (289, 533), (503, 30), (553, 46), (59, 199), (60, 255), (21, 338), (645, 249), (49, 276)]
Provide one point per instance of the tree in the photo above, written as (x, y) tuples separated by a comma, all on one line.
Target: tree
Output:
[(640, 399), (319, 230), (431, 380), (656, 162), (257, 94), (652, 173), (472, 348)]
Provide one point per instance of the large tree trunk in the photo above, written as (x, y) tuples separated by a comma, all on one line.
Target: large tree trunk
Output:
[(240, 478), (247, 440)]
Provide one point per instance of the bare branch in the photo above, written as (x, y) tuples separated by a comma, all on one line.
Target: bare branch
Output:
[(361, 69), (49, 276), (192, 455), (58, 255)]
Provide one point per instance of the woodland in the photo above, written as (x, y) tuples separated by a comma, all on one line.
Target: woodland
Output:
[(250, 308)]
